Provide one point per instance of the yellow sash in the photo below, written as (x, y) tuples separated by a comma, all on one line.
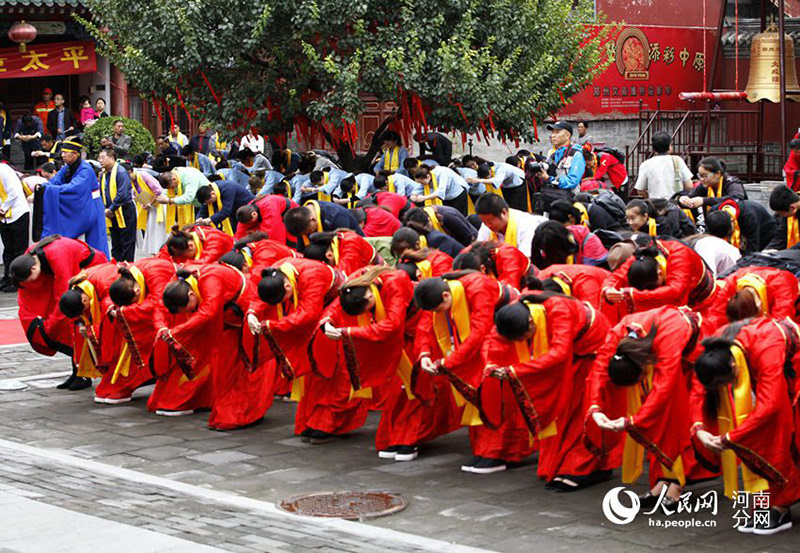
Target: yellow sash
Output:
[(792, 231), (195, 161), (390, 184), (181, 214), (540, 346), (290, 272), (86, 364), (652, 227), (490, 187), (633, 451), (141, 218), (318, 212), (736, 404), (124, 361), (3, 198), (426, 268), (426, 189), (198, 246), (423, 242), (391, 159), (213, 207), (431, 212), (566, 289), (759, 285), (511, 230), (326, 177), (113, 193), (459, 315), (736, 236), (584, 214), (716, 192)]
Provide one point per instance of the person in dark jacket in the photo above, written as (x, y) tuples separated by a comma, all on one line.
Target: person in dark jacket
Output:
[(748, 225), (439, 146), (715, 186), (60, 121), (220, 200), (448, 220)]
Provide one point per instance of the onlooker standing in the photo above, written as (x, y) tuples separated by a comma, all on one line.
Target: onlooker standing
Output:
[(60, 121), (253, 141), (663, 175), (565, 164), (43, 108), (87, 114), (439, 146), (177, 138), (583, 134), (29, 131), (115, 184), (14, 221), (100, 108), (119, 141), (5, 130), (202, 143), (792, 168)]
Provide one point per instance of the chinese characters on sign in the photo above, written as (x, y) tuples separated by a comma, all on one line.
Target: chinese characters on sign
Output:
[(42, 60), (647, 64)]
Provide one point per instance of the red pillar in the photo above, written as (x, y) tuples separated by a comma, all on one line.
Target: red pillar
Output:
[(119, 93)]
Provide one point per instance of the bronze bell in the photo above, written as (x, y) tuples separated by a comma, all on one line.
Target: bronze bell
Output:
[(764, 82)]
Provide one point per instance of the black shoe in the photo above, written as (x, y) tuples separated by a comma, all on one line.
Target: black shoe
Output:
[(406, 453), (80, 384), (570, 483), (389, 452), (467, 467), (67, 383), (648, 501), (305, 435), (777, 522), (8, 288), (318, 437), (747, 527), (488, 466)]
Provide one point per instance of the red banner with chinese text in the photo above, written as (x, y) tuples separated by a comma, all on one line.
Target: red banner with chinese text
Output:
[(44, 60), (647, 64)]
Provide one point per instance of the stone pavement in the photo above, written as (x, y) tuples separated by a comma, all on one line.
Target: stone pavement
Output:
[(175, 477)]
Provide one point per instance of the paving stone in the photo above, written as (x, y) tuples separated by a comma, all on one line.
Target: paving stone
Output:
[(222, 457), (161, 453)]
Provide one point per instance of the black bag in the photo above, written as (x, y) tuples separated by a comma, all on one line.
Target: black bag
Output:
[(612, 151), (547, 196), (612, 203)]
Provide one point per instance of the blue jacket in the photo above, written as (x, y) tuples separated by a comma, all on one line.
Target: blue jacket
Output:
[(233, 197)]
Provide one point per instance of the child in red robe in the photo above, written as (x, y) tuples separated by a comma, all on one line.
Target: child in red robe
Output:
[(139, 313), (86, 303), (292, 296), (211, 303), (358, 349), (746, 414), (200, 243), (539, 358), (499, 260), (584, 282), (343, 250), (638, 384), (41, 275), (264, 214), (459, 313)]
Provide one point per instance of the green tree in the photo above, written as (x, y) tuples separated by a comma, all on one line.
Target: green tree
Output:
[(485, 66), (141, 139)]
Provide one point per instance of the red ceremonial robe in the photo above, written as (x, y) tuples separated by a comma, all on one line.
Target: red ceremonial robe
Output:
[(214, 243), (87, 353), (136, 326), (289, 334), (687, 280), (205, 364), (781, 288), (662, 424), (585, 282), (47, 329), (367, 357), (270, 209), (464, 365), (765, 441), (352, 252), (547, 394), (510, 264), (792, 168)]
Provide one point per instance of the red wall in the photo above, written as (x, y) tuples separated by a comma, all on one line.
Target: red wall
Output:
[(666, 13)]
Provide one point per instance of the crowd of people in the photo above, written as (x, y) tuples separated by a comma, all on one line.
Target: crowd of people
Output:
[(525, 299)]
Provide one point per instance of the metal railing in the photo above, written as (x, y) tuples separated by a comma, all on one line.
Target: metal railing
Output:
[(729, 134)]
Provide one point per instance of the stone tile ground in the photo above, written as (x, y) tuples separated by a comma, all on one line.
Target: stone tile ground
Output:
[(509, 511)]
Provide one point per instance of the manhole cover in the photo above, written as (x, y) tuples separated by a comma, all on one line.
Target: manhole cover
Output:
[(347, 505)]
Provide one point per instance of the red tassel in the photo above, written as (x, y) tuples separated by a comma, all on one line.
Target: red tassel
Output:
[(169, 111), (463, 139), (157, 108), (214, 94), (182, 104), (535, 127), (491, 120)]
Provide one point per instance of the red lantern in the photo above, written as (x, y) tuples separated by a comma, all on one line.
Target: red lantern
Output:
[(22, 33)]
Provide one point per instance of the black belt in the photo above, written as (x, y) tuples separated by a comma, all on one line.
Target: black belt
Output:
[(88, 261)]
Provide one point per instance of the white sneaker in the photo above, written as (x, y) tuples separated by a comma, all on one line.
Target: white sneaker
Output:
[(98, 399), (488, 466), (118, 400), (406, 453), (165, 413), (387, 454)]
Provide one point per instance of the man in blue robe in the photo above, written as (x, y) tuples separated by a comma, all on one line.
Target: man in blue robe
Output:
[(72, 204)]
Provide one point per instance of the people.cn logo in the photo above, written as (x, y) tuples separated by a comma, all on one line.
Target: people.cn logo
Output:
[(615, 511)]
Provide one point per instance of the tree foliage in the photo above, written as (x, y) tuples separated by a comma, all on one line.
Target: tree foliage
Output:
[(485, 66)]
